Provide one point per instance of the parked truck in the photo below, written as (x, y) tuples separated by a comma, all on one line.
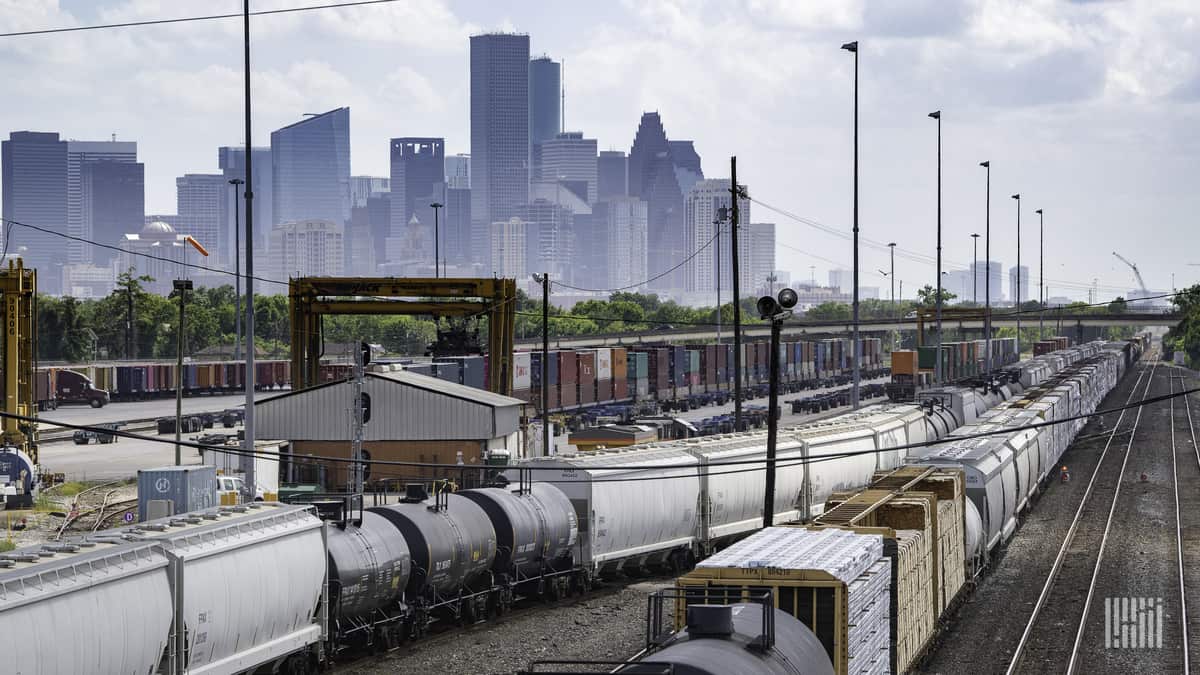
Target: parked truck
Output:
[(58, 386), (230, 479)]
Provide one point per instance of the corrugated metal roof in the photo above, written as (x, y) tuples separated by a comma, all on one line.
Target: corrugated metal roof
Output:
[(404, 406)]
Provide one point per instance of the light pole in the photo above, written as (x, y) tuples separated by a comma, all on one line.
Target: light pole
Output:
[(717, 224), (1017, 294), (247, 460), (775, 311), (852, 47), (436, 206), (735, 192), (937, 365), (975, 269), (987, 261), (182, 286), (237, 271), (1041, 272)]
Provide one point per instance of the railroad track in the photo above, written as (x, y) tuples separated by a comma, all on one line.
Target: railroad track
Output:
[(1069, 588), (1187, 457)]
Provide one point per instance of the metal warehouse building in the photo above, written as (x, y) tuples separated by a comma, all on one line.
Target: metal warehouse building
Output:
[(414, 418)]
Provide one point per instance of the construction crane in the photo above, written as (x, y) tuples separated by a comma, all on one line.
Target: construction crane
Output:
[(1136, 273)]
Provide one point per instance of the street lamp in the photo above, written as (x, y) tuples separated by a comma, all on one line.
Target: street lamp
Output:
[(975, 269), (1017, 294), (937, 364), (237, 270), (1041, 272), (436, 206), (987, 260), (852, 47), (182, 286), (775, 311)]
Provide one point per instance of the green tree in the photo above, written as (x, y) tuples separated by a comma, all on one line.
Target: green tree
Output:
[(1118, 306), (927, 296), (831, 311)]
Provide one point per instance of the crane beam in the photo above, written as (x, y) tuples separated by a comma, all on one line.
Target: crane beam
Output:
[(1137, 274)]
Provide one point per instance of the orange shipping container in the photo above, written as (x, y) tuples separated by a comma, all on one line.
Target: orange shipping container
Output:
[(904, 362)]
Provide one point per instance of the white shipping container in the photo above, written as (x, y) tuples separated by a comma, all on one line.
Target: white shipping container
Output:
[(522, 363), (603, 364)]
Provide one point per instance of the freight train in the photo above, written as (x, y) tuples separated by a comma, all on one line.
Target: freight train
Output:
[(156, 595), (577, 378)]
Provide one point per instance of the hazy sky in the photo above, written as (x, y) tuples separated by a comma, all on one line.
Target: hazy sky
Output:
[(1091, 110)]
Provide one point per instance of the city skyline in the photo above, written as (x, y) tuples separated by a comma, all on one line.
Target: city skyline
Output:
[(1025, 124)]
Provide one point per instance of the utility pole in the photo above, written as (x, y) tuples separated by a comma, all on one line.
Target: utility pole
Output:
[(436, 206), (937, 376), (247, 461), (987, 262), (975, 269), (735, 218), (237, 272), (546, 440), (1042, 273), (856, 348), (1017, 295), (129, 324), (717, 222), (361, 356), (182, 286)]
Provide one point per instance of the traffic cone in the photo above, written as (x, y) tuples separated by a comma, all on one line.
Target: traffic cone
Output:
[(1064, 475)]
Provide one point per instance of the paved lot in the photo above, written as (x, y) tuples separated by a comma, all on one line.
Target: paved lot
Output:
[(120, 412)]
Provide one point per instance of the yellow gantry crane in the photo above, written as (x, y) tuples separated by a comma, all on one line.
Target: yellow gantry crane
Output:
[(310, 298), (18, 289)]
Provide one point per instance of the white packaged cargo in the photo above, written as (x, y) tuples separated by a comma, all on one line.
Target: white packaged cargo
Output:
[(522, 364), (604, 364), (247, 583), (620, 520), (95, 606)]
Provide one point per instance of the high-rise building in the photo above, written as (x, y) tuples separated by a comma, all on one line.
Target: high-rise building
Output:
[(545, 91), (458, 247), (842, 280), (982, 272), (704, 200), (363, 188), (307, 248), (231, 161), (569, 158), (613, 251), (612, 174), (200, 200), (1023, 285), (112, 203), (958, 282), (499, 127), (34, 166), (79, 155), (550, 237), (654, 178), (311, 169), (418, 167), (508, 249), (756, 241), (687, 164), (458, 172), (373, 221)]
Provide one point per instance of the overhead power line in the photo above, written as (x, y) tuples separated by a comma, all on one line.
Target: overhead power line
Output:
[(647, 281), (187, 19)]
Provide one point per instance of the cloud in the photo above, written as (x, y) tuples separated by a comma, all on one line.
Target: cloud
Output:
[(408, 88)]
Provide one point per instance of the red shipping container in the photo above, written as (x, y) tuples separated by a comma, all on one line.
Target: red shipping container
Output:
[(568, 378), (620, 379)]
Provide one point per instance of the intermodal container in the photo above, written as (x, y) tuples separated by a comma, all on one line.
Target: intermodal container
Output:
[(521, 381), (568, 378), (620, 373), (585, 376), (604, 372), (693, 370)]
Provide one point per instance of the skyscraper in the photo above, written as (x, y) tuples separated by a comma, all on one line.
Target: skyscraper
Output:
[(418, 169), (982, 272), (311, 169), (307, 248), (652, 178), (508, 253), (79, 155), (112, 202), (842, 280), (550, 237), (687, 165), (200, 202), (458, 171), (704, 200), (232, 163), (1024, 283), (612, 174), (569, 158), (499, 128), (613, 245), (34, 167), (363, 188), (545, 91), (756, 244)]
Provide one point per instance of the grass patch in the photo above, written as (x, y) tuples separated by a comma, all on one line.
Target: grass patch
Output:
[(7, 545), (70, 488)]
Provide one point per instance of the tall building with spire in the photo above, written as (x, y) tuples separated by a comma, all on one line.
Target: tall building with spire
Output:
[(499, 129), (545, 90), (655, 178)]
